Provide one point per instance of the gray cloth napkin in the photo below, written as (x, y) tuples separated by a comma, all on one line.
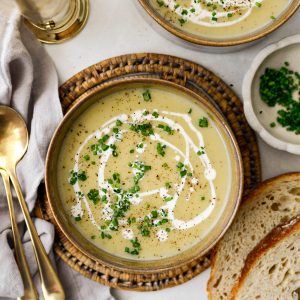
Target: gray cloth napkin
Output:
[(29, 83)]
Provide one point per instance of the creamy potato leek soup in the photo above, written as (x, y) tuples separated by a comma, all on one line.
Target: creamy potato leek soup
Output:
[(144, 172), (220, 18)]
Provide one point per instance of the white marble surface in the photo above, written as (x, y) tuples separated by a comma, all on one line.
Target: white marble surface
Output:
[(116, 27)]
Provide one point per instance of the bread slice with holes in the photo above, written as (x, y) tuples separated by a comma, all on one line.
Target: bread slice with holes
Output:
[(272, 269), (275, 201)]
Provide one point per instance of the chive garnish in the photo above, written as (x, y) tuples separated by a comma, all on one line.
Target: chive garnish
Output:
[(147, 96), (166, 128), (203, 122), (86, 157), (136, 247), (119, 123), (161, 149), (145, 129), (94, 196), (74, 176)]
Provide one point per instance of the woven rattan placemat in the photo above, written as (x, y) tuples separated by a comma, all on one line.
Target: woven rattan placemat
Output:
[(189, 75)]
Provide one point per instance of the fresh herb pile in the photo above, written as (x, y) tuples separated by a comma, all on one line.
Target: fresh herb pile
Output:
[(282, 87)]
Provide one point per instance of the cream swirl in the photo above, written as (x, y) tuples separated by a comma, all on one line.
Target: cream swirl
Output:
[(169, 206), (201, 13)]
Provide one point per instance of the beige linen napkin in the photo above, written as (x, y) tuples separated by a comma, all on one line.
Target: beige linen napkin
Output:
[(28, 83)]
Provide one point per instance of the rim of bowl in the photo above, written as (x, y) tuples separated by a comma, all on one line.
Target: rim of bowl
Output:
[(247, 95), (251, 37), (228, 134)]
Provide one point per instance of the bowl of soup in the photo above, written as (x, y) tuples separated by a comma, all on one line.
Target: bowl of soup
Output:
[(143, 175), (220, 23)]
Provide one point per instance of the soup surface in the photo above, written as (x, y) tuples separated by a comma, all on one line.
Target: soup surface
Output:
[(145, 172), (220, 19)]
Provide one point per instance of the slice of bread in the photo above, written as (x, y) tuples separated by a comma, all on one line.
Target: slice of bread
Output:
[(275, 201), (272, 269)]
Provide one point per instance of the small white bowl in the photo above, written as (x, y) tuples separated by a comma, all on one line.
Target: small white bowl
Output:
[(259, 115)]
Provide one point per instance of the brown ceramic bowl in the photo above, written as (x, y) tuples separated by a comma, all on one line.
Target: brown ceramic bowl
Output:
[(109, 259), (202, 41)]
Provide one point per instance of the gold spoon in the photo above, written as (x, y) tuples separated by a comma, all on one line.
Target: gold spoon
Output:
[(29, 289), (14, 143)]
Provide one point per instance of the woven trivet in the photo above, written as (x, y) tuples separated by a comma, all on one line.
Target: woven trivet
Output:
[(187, 74)]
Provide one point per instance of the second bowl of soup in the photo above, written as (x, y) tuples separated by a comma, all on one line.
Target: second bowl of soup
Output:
[(220, 23)]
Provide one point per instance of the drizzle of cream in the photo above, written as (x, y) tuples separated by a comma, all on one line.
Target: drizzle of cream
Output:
[(203, 16), (162, 235), (76, 210), (141, 150), (137, 116), (195, 181), (128, 234), (177, 158)]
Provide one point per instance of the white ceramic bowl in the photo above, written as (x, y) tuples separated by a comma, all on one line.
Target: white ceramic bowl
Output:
[(259, 115)]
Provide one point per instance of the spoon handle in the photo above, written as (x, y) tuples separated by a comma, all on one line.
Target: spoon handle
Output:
[(29, 289), (51, 286)]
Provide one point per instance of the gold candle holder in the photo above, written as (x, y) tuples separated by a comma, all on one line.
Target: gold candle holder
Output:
[(54, 21)]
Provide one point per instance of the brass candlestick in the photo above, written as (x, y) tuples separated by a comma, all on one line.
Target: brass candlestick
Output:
[(54, 21)]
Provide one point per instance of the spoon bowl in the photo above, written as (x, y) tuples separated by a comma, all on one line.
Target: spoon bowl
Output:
[(13, 136)]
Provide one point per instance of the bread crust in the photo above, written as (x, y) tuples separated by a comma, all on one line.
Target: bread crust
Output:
[(261, 188), (274, 237)]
